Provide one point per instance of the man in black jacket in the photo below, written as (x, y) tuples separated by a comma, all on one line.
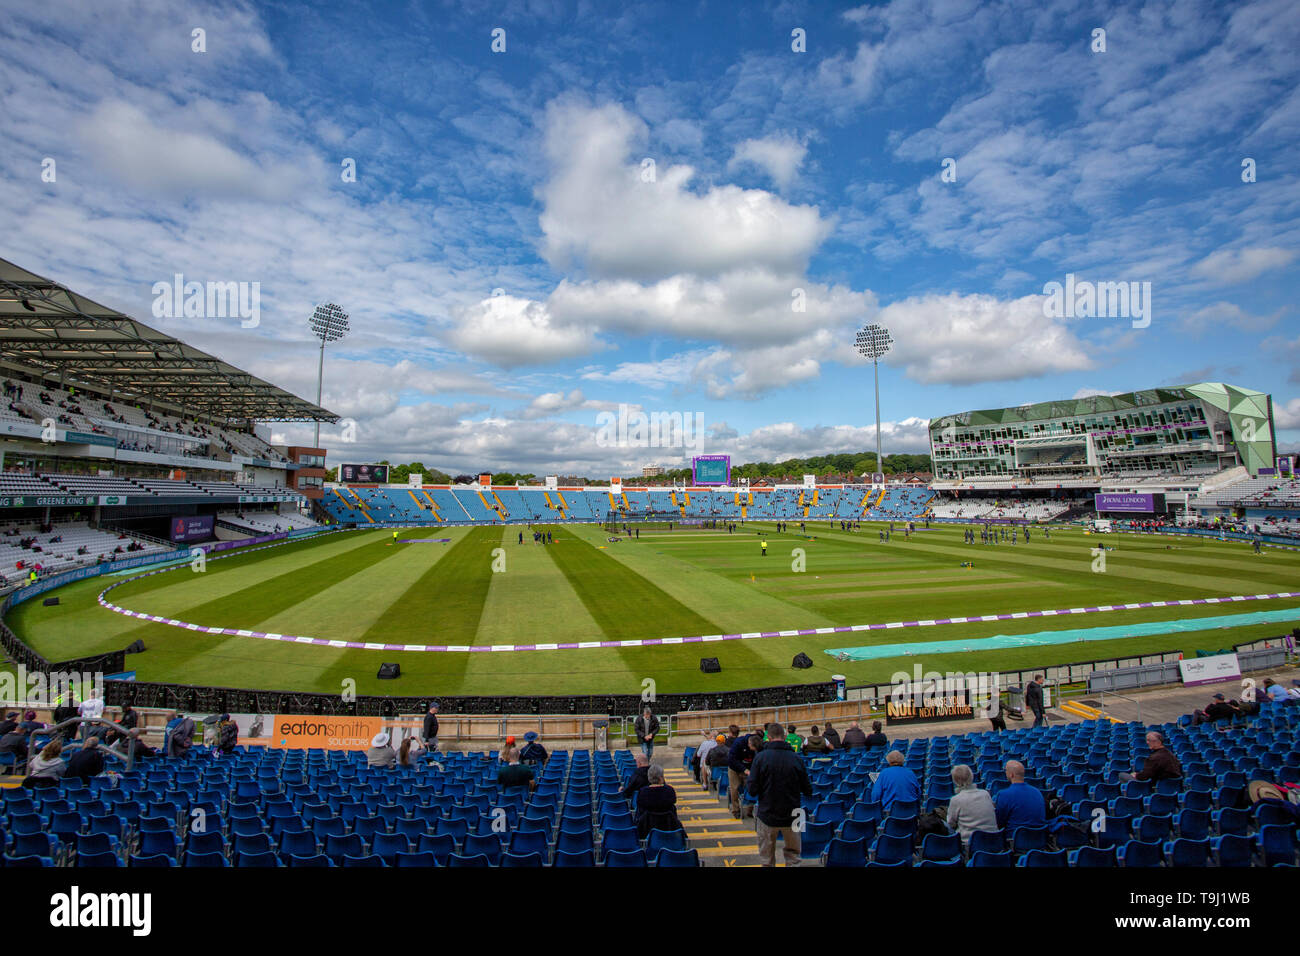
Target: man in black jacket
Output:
[(777, 779), (854, 737), (1034, 701), (431, 727), (87, 762), (645, 727), (739, 759)]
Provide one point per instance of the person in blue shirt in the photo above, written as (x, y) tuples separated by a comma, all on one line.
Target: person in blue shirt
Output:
[(895, 782), (1274, 690), (1019, 805)]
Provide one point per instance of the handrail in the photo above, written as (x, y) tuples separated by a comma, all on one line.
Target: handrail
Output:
[(129, 756)]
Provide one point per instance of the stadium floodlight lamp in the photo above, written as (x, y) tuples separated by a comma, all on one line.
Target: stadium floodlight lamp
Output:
[(329, 323), (874, 341)]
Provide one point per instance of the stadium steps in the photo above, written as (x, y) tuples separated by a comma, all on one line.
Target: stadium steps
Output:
[(347, 504), (719, 838), (362, 506), (433, 505), (504, 512), (564, 505), (488, 507), (1077, 708), (626, 505)]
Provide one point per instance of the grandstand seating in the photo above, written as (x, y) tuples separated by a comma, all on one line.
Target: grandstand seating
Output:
[(62, 555), (267, 807)]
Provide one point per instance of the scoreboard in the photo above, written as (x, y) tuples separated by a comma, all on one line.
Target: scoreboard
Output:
[(363, 474), (712, 470)]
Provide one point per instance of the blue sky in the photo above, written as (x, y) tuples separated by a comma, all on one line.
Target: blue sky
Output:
[(626, 207)]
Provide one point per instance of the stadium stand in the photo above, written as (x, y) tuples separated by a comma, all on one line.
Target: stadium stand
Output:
[(271, 807)]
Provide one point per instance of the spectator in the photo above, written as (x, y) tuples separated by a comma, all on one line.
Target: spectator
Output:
[(971, 808), (134, 745), (854, 738), (227, 735), (708, 741), (777, 780), (877, 738), (87, 762), (1160, 765), (717, 758), (739, 760), (832, 736), (430, 733), (48, 763), (895, 782), (410, 752), (180, 736), (65, 711), (381, 752), (656, 804), (816, 743), (1218, 709), (92, 708), (1274, 690), (515, 774), (640, 777), (533, 752), (9, 724), (1019, 805), (1034, 700), (14, 742), (645, 727), (128, 719), (793, 739)]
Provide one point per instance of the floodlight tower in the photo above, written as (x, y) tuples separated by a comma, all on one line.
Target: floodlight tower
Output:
[(873, 342), (329, 323)]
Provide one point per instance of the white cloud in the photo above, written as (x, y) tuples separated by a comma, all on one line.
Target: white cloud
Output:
[(1241, 265), (512, 331), (599, 212), (1287, 415), (965, 339), (779, 156)]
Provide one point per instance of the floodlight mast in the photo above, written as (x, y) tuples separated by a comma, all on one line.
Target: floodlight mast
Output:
[(329, 323), (874, 341)]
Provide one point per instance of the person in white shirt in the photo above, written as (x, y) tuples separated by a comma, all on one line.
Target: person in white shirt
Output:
[(92, 708), (706, 744)]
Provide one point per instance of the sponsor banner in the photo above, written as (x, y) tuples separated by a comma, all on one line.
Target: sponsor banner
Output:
[(192, 527), (87, 438), (1128, 501), (45, 501), (1209, 670), (321, 732), (810, 481), (712, 470), (928, 708)]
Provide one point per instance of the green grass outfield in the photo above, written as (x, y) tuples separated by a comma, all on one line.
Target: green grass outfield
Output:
[(358, 586)]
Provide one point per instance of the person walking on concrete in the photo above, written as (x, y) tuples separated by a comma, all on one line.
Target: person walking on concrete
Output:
[(1034, 701), (646, 726), (777, 780)]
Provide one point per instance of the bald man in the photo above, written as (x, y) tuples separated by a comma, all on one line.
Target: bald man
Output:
[(1019, 805)]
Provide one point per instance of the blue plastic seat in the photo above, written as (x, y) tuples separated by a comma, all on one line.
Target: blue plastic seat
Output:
[(105, 858), (626, 858), (415, 859), (941, 847), (1185, 852), (1044, 858), (982, 858), (1091, 856), (216, 860), (1136, 853), (581, 858), (892, 849), (843, 852), (319, 860), (677, 858), (1277, 844), (664, 840), (156, 859)]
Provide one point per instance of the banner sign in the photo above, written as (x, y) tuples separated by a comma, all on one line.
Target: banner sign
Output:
[(192, 527), (323, 732), (1284, 466), (929, 708), (1129, 501), (810, 481), (712, 470), (45, 501), (1209, 670)]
